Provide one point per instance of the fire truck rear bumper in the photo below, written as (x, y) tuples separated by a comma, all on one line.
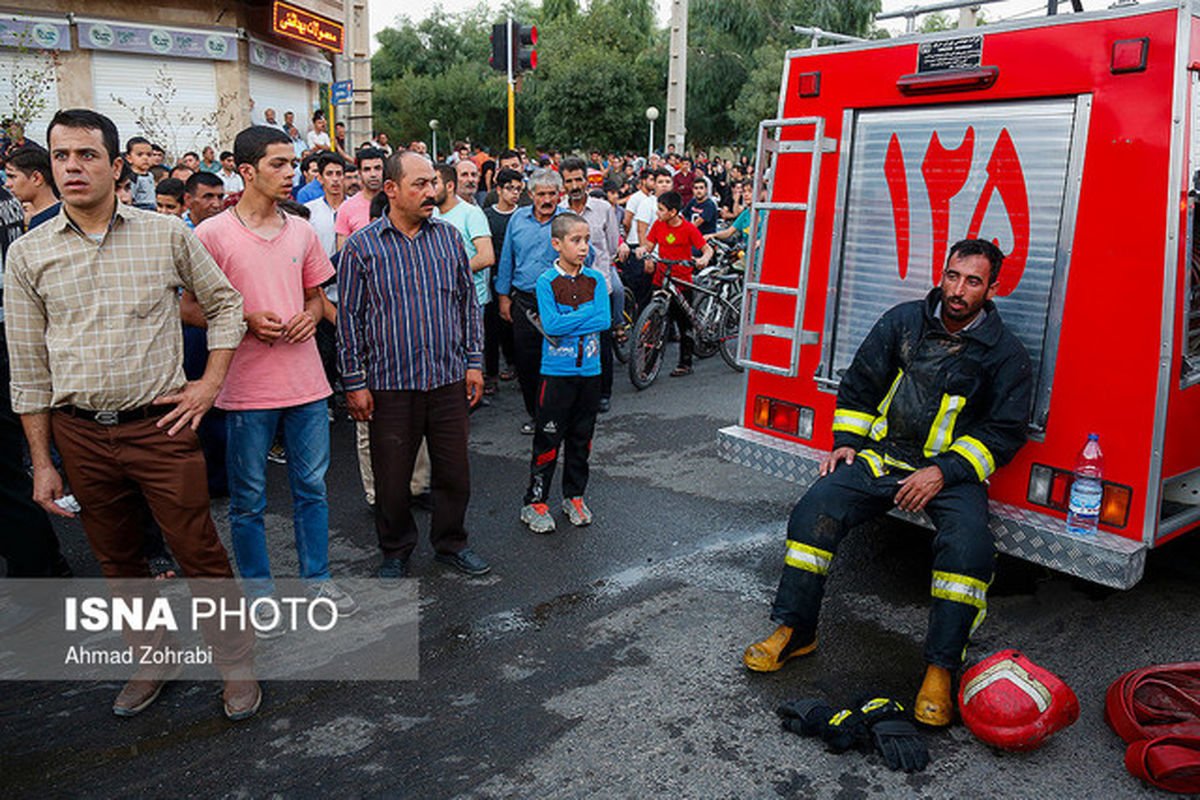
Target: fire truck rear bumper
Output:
[(1105, 559)]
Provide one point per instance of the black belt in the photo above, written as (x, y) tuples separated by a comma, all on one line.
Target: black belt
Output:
[(115, 417)]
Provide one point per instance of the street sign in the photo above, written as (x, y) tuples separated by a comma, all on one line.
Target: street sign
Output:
[(340, 92)]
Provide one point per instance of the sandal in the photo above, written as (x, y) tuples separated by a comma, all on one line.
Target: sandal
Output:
[(163, 568), (489, 387), (680, 371), (507, 374)]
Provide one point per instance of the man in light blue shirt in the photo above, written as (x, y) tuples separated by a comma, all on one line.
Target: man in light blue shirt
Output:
[(472, 224)]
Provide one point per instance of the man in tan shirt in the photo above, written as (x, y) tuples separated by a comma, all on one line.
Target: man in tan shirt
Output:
[(92, 316)]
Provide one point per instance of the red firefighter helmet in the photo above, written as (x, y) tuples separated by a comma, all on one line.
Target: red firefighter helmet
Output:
[(1009, 702)]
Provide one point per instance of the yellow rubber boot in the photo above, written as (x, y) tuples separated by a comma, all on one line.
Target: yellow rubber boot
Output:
[(773, 652), (934, 706)]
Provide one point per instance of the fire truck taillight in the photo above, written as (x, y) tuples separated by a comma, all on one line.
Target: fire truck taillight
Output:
[(1129, 55), (952, 80), (783, 417), (1051, 487), (1114, 504)]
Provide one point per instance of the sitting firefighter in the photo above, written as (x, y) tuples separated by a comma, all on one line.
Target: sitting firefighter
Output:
[(936, 399)]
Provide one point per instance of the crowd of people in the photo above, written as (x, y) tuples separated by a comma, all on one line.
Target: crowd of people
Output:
[(252, 295), (169, 330)]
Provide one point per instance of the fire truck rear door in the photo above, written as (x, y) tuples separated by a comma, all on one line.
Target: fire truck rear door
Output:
[(914, 180)]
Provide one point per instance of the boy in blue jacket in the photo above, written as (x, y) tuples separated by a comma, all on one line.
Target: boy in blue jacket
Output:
[(573, 309)]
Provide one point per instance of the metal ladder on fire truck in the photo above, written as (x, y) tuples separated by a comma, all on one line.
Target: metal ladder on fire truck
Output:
[(766, 168)]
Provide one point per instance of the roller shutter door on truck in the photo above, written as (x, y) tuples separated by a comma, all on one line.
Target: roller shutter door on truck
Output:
[(999, 171)]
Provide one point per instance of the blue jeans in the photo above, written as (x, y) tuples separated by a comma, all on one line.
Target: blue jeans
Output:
[(306, 437)]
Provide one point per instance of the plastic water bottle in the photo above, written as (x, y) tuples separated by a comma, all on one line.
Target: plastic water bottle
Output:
[(1086, 490)]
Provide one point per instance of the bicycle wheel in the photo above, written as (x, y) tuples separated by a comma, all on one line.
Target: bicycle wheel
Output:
[(623, 329), (730, 326), (708, 312), (647, 343)]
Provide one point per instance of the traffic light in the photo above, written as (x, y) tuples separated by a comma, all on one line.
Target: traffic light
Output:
[(524, 57), (499, 58)]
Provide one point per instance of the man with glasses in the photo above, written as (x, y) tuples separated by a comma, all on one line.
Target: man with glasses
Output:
[(508, 159)]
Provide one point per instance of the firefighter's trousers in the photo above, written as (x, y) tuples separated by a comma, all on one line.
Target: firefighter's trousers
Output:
[(963, 554)]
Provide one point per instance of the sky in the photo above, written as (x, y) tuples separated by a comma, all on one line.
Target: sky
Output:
[(383, 12)]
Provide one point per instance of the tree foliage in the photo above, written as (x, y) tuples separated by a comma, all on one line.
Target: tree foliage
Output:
[(735, 57), (601, 63)]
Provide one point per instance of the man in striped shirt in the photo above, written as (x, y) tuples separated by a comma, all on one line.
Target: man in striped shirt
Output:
[(410, 350)]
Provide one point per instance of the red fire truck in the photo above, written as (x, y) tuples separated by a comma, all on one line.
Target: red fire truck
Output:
[(1072, 141)]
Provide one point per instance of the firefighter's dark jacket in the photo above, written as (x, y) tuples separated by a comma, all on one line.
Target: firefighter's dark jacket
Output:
[(917, 395)]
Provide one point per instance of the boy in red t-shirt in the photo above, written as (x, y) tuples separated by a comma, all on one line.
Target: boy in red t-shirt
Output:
[(673, 238)]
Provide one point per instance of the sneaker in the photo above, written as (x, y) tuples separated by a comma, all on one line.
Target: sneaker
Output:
[(537, 517), (577, 511), (605, 405), (268, 621), (528, 428), (394, 567), (277, 455), (329, 590)]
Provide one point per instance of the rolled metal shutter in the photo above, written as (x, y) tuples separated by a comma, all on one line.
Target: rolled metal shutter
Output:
[(187, 98), (868, 279), (283, 93)]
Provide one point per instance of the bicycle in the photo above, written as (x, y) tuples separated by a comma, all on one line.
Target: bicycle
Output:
[(649, 339), (724, 276), (623, 327)]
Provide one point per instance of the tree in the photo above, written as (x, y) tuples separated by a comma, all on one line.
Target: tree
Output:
[(601, 63), (29, 94), (937, 21), (586, 103), (735, 54), (161, 121), (597, 73), (437, 69)]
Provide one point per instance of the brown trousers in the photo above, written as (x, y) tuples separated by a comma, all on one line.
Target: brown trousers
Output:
[(109, 467), (400, 421)]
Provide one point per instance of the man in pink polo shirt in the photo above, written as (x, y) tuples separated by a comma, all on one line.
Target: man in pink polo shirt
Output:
[(355, 213), (276, 261)]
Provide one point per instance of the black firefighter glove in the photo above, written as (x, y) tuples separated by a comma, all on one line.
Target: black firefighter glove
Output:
[(900, 745), (807, 716), (851, 727)]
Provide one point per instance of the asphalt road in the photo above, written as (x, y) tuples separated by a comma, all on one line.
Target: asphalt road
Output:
[(605, 661)]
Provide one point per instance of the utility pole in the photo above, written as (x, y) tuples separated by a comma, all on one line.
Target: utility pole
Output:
[(677, 76), (512, 100)]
